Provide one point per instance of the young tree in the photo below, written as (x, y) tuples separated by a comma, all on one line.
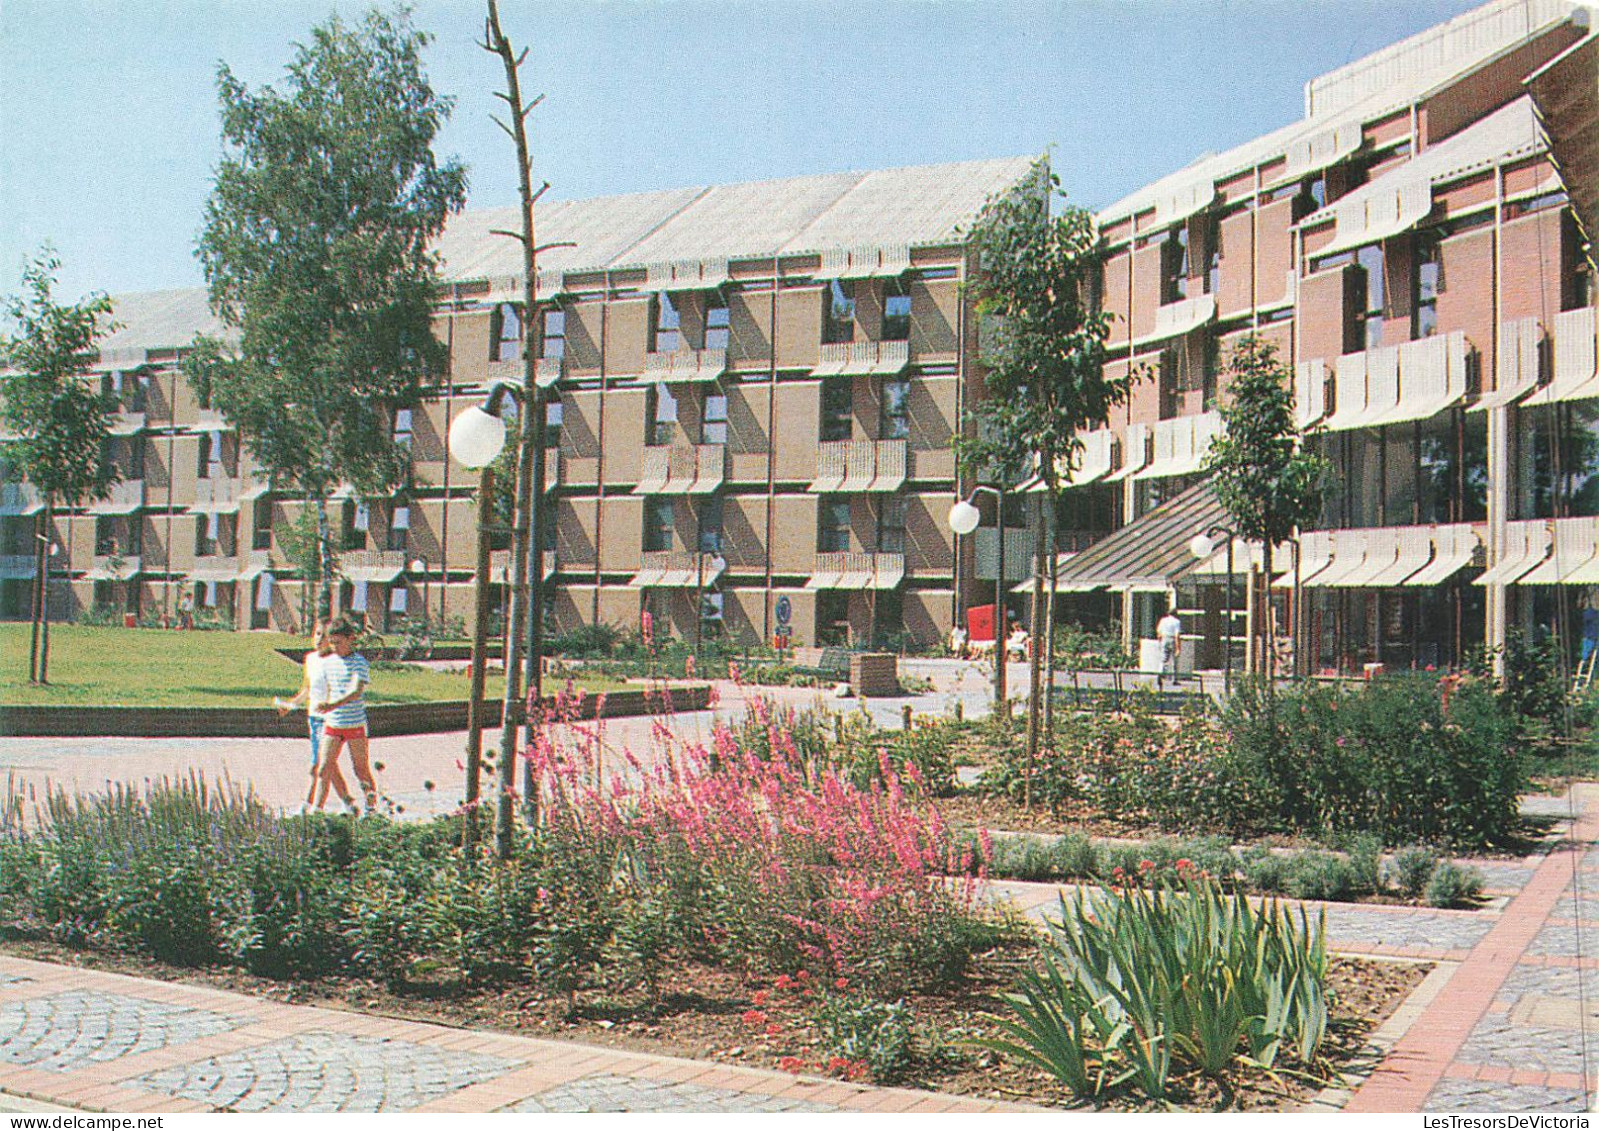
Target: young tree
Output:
[(59, 422), (1045, 352), (1265, 479), (316, 248)]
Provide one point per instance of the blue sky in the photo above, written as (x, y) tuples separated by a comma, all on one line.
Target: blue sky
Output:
[(108, 129)]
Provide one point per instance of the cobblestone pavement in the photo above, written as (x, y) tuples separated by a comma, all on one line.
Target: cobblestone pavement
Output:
[(107, 1042), (1516, 1026)]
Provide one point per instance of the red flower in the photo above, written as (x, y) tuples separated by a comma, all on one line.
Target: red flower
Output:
[(1146, 865), (773, 1029), (760, 997), (1185, 865), (841, 984), (753, 1017), (784, 982), (791, 1064), (802, 976)]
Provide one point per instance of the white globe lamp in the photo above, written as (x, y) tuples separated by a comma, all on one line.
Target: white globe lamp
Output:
[(476, 437), (964, 517), (1201, 546)]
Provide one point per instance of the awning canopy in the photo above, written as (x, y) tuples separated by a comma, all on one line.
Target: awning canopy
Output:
[(1151, 552), (864, 262), (1350, 549), (857, 571), (1177, 318), (1565, 96), (850, 466), (1378, 215), (1310, 392), (218, 571), (1094, 461), (1412, 551), (686, 275), (1135, 453), (1575, 560), (1518, 368), (1454, 547), (1526, 545), (683, 366), (1576, 374), (1394, 384), (102, 569), (1315, 555)]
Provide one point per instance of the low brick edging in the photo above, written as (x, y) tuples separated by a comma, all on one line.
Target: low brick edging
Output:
[(384, 721)]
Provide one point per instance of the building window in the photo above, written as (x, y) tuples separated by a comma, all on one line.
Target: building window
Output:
[(554, 413), (402, 427), (105, 536), (717, 323), (838, 312), (658, 525), (363, 518), (397, 598), (1429, 281), (712, 605), (891, 526), (208, 461), (207, 535), (832, 617), (665, 333), (1174, 266), (710, 523), (896, 311), (713, 425), (507, 326), (399, 527), (552, 339), (1368, 297), (358, 596), (888, 614), (838, 411), (262, 538), (1213, 261), (832, 535), (896, 422), (662, 415)]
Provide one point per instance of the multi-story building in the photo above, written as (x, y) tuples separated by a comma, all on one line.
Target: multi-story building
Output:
[(1415, 249), (758, 388)]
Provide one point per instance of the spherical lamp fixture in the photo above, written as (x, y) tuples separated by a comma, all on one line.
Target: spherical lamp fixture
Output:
[(1201, 546), (476, 437), (964, 517)]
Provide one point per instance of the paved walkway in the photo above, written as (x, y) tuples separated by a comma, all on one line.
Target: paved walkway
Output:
[(106, 1042)]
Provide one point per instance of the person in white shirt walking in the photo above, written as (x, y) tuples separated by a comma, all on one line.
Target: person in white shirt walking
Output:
[(313, 690), (348, 676), (1169, 631)]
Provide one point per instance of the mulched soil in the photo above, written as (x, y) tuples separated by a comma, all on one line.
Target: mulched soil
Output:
[(704, 1017)]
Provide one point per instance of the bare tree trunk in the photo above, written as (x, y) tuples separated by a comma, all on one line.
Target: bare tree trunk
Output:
[(44, 590), (1049, 626), (41, 560), (1035, 660), (526, 599), (480, 632), (324, 560)]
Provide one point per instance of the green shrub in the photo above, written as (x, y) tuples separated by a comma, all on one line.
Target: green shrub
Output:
[(1365, 861), (857, 1028), (1023, 857), (1412, 867), (1453, 885), (1133, 980), (1264, 870), (1320, 875)]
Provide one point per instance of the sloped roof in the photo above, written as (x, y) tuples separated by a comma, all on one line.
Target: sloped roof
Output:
[(1149, 552), (1371, 88), (150, 320), (1566, 92)]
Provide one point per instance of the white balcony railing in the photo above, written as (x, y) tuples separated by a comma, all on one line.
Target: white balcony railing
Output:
[(125, 498), (682, 471), (860, 465)]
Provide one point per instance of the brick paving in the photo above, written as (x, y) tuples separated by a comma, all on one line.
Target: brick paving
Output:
[(107, 1042), (1510, 1030)]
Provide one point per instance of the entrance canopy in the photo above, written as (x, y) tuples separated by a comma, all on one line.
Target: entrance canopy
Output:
[(1149, 554)]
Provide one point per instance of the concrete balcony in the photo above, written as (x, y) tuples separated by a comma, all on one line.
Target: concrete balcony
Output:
[(677, 569), (125, 498), (860, 465), (210, 420), (373, 566), (125, 423), (684, 365), (111, 567), (552, 468), (214, 567), (856, 570), (841, 359), (682, 471), (500, 566), (216, 496)]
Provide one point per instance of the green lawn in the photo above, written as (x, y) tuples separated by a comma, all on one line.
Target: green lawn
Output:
[(154, 667)]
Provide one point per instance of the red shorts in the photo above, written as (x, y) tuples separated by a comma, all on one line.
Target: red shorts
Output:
[(344, 732)]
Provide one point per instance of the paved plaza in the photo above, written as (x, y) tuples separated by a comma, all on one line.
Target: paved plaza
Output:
[(1501, 1024)]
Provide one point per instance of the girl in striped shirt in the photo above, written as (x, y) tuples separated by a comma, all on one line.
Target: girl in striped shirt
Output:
[(347, 676)]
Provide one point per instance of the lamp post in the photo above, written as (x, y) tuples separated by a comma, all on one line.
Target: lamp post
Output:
[(47, 550), (1203, 546), (963, 519), (477, 436)]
